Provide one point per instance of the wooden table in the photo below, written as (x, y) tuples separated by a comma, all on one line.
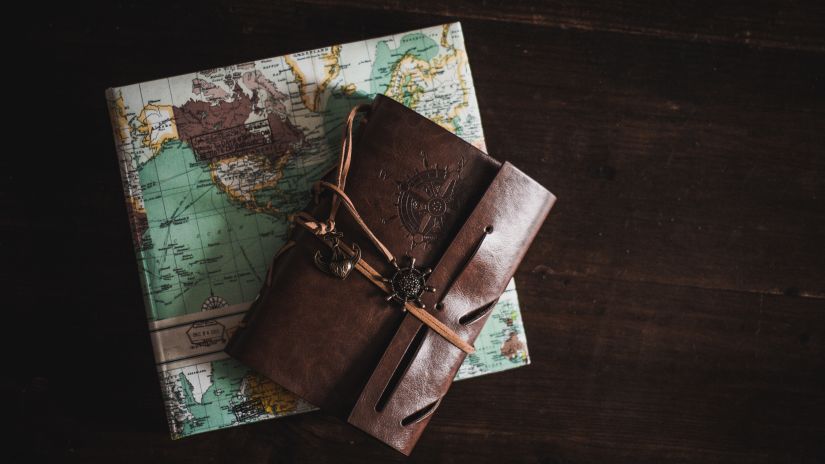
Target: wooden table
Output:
[(674, 302)]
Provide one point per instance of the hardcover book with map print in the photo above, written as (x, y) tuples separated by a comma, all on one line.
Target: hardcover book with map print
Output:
[(213, 162)]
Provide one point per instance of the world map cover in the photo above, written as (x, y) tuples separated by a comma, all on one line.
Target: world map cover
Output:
[(212, 164)]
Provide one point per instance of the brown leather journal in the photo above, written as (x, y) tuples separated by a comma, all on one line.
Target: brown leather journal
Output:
[(414, 196)]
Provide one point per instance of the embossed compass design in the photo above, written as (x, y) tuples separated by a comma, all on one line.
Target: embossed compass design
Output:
[(425, 199)]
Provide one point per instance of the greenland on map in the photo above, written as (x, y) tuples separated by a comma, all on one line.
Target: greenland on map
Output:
[(213, 162)]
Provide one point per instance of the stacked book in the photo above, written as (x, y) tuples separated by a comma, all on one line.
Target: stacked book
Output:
[(214, 163)]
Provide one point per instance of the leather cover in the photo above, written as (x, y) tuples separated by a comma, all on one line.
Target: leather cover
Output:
[(337, 343)]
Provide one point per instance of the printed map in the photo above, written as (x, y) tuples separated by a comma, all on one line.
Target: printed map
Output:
[(213, 163)]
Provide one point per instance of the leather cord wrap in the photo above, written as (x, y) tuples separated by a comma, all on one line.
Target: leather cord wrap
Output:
[(321, 228)]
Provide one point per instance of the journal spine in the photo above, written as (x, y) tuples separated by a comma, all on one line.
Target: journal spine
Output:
[(123, 141)]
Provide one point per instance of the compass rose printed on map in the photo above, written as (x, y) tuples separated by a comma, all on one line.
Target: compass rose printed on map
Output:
[(212, 164)]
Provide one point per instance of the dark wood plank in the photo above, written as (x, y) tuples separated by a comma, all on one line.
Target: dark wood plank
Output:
[(673, 302), (695, 165), (788, 25)]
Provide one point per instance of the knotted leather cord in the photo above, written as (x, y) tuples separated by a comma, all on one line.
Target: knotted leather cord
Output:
[(339, 194), (321, 228)]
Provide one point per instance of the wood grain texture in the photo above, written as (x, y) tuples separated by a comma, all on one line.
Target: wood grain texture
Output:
[(789, 25), (674, 301)]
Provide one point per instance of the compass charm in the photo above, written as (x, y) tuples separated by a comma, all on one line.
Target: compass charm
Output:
[(409, 283)]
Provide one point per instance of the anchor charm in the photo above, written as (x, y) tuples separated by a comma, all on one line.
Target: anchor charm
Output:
[(339, 264)]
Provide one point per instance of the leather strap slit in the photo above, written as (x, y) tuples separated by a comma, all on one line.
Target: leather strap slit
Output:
[(487, 231)]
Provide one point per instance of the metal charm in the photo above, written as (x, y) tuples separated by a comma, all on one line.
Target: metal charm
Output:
[(409, 283), (339, 263)]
